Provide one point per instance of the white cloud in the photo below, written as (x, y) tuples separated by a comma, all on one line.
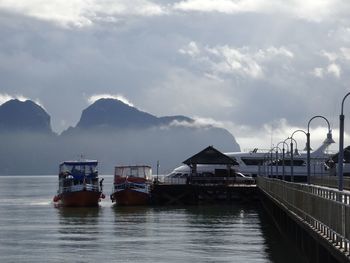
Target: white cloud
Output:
[(192, 49), (318, 72), (273, 51), (271, 134), (334, 69), (223, 6), (345, 52), (96, 97), (243, 61), (331, 56), (237, 61), (199, 122), (4, 97), (81, 13), (303, 9)]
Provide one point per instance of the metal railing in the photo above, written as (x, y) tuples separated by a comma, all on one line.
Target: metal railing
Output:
[(80, 187), (330, 181), (327, 211), (221, 180), (212, 180)]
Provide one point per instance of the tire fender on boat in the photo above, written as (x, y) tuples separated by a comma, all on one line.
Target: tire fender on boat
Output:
[(56, 198)]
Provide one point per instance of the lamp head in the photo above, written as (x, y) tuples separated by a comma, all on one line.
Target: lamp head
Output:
[(296, 152), (329, 139), (305, 149)]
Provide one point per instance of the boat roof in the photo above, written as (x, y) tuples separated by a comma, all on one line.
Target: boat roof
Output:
[(81, 162), (132, 166)]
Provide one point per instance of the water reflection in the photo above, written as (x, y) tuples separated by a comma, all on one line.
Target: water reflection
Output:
[(226, 232), (215, 233), (132, 221), (79, 226), (278, 248)]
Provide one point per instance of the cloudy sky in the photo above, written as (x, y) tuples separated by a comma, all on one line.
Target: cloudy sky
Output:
[(259, 68)]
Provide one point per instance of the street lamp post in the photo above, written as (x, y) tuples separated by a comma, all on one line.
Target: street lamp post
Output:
[(283, 157), (307, 145), (266, 161), (292, 157), (276, 160), (329, 139), (341, 146), (271, 166)]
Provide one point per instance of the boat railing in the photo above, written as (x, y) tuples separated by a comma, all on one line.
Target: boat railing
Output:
[(81, 187), (213, 180), (131, 185)]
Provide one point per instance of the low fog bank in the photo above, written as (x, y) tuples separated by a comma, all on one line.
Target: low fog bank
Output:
[(37, 153)]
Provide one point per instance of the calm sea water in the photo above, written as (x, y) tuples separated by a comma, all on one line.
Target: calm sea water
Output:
[(33, 230)]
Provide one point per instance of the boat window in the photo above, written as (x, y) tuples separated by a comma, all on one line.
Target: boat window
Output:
[(250, 161), (295, 162), (79, 169), (133, 171)]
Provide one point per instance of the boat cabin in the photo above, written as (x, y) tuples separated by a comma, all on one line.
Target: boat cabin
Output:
[(77, 173), (140, 171)]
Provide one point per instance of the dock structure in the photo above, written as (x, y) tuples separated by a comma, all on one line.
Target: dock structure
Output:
[(220, 186), (316, 218), (194, 194)]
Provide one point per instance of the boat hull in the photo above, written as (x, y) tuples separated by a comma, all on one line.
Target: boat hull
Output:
[(80, 198), (130, 197)]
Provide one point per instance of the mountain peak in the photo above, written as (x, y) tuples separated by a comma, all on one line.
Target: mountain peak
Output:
[(16, 115), (114, 113)]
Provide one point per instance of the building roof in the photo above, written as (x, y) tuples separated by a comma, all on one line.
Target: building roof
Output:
[(210, 155), (83, 162), (346, 155)]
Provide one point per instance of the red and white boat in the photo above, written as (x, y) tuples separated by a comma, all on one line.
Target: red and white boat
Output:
[(132, 185), (78, 184)]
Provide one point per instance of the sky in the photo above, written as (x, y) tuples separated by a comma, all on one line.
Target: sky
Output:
[(261, 69)]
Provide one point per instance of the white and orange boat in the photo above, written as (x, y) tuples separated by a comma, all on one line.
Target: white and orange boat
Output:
[(132, 185), (78, 184)]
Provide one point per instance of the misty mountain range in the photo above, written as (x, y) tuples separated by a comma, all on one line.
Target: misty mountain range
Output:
[(110, 131)]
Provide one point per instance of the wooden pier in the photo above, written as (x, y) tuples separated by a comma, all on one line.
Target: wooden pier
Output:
[(193, 194), (316, 218)]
